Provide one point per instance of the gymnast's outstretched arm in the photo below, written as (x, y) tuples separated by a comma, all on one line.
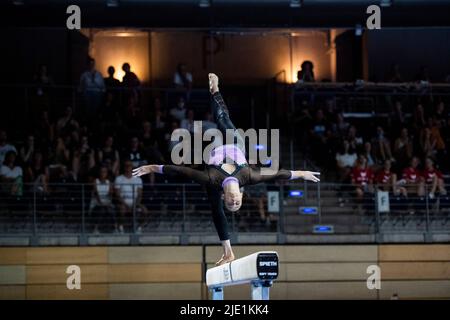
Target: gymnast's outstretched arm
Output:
[(282, 174), (180, 171)]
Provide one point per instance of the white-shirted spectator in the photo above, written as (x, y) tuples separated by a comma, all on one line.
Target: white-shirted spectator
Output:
[(11, 175), (5, 147)]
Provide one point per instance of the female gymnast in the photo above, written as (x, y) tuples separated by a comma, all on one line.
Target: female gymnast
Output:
[(223, 180)]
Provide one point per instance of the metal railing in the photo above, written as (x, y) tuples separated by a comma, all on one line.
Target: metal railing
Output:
[(183, 209)]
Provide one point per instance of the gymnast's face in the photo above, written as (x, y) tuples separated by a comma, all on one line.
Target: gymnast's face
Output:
[(232, 200)]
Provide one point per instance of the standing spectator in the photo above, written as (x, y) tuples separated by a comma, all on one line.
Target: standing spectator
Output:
[(110, 81), (433, 178), (179, 112), (11, 175), (362, 177), (413, 179), (92, 86), (131, 83), (5, 147), (101, 207), (129, 196), (306, 72), (109, 157)]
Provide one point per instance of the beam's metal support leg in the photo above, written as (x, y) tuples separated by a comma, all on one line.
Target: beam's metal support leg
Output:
[(260, 290), (217, 293)]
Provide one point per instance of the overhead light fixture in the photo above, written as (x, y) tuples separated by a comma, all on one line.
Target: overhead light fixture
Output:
[(296, 3), (204, 3), (112, 3), (18, 2), (385, 3)]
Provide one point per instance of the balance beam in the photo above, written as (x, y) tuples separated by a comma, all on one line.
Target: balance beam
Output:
[(259, 269)]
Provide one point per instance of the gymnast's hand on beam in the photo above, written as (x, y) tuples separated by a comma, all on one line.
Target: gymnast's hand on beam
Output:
[(143, 170)]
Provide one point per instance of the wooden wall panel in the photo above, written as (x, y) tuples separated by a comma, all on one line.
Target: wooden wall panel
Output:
[(326, 271), (156, 291), (67, 255), (416, 289), (56, 274), (431, 252), (159, 254), (12, 292), (143, 273), (15, 256), (60, 292), (415, 270), (12, 274)]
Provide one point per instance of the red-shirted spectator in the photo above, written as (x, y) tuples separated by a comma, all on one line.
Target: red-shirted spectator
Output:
[(387, 180), (412, 178), (433, 178), (362, 177)]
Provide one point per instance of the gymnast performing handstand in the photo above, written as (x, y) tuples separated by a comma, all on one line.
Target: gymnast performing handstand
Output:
[(223, 180)]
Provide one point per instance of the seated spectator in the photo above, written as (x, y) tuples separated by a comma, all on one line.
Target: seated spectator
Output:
[(135, 153), (412, 179), (440, 114), (371, 160), (381, 147), (60, 156), (67, 123), (318, 134), (403, 148), (386, 180), (362, 177), (179, 112), (128, 191), (109, 157), (27, 151), (182, 79), (306, 72), (345, 161), (83, 160), (427, 143), (11, 176), (171, 144), (37, 173), (340, 127), (397, 119), (5, 147), (355, 140), (433, 179), (147, 139), (188, 123), (208, 121), (101, 207)]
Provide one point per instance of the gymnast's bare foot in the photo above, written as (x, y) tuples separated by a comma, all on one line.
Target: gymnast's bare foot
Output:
[(213, 83), (225, 258)]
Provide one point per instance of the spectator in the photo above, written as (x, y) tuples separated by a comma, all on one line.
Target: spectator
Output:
[(381, 147), (129, 196), (427, 143), (27, 151), (397, 119), (362, 177), (5, 147), (319, 136), (110, 81), (188, 123), (171, 144), (179, 112), (131, 82), (403, 149), (345, 161), (182, 79), (42, 80), (83, 160), (394, 74), (109, 157), (11, 175), (135, 153), (354, 139), (306, 72), (44, 131), (371, 160), (440, 114), (60, 156), (387, 180), (208, 121), (433, 179), (147, 139), (101, 207), (92, 86), (38, 173), (340, 127), (412, 179), (67, 123)]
